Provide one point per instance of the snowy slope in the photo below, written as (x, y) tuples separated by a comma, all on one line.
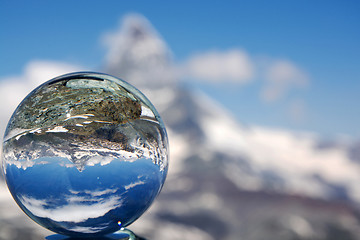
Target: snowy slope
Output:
[(276, 159)]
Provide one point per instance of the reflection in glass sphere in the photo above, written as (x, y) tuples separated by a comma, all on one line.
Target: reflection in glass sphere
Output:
[(85, 154)]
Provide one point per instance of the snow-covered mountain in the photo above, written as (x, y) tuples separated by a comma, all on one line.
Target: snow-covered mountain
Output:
[(218, 165), (255, 158), (227, 180), (137, 45)]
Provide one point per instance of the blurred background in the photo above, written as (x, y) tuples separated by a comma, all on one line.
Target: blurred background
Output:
[(260, 99)]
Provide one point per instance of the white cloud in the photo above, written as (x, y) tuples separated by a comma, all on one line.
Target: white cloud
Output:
[(134, 184), (74, 211), (280, 77), (14, 89), (219, 66)]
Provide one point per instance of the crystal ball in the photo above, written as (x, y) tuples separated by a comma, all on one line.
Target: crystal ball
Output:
[(85, 154)]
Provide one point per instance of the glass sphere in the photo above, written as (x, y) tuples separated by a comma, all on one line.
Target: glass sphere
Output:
[(85, 154)]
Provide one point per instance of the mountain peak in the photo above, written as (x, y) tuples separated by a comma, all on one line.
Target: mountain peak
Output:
[(137, 54), (137, 26)]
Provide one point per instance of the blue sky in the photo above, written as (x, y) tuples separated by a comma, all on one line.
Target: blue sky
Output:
[(318, 40)]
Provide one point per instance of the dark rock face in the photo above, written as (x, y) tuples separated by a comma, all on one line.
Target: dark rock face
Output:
[(52, 105)]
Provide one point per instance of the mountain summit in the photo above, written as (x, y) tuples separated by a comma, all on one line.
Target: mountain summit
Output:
[(136, 53)]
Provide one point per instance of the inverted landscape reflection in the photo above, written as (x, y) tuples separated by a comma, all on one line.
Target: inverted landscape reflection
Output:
[(89, 201), (85, 154)]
